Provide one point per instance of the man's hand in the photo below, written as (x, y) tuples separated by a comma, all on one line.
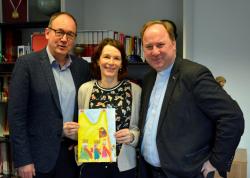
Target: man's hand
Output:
[(70, 130), (124, 136), (206, 168), (27, 171)]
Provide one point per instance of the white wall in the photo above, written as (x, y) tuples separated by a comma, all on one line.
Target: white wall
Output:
[(125, 16), (220, 40)]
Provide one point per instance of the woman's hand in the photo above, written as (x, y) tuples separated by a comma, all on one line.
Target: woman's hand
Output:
[(124, 136), (70, 130)]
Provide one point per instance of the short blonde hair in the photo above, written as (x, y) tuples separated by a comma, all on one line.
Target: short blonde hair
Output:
[(166, 24)]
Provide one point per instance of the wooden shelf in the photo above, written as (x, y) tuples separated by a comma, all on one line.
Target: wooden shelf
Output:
[(4, 139), (6, 68), (25, 25), (239, 165)]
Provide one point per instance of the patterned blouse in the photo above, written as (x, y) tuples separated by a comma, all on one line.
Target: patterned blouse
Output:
[(118, 97)]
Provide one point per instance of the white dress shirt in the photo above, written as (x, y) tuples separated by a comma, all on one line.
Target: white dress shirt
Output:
[(149, 148)]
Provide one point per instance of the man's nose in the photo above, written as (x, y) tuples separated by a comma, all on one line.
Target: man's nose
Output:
[(155, 51)]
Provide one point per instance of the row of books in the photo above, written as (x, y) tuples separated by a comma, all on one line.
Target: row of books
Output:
[(4, 129), (4, 84), (13, 49), (6, 163), (86, 43), (88, 40)]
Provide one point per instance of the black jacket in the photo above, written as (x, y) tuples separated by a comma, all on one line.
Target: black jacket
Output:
[(199, 121)]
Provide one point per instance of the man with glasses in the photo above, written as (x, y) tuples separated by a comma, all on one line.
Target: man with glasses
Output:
[(43, 101)]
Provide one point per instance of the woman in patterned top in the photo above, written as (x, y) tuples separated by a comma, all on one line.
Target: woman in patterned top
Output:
[(110, 89)]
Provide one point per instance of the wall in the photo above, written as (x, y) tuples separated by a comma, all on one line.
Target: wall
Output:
[(218, 37), (214, 34), (123, 16)]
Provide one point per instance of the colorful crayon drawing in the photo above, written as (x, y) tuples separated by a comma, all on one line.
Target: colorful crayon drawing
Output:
[(96, 141)]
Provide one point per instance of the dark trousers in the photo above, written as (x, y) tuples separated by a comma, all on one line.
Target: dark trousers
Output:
[(148, 171), (65, 166), (105, 170)]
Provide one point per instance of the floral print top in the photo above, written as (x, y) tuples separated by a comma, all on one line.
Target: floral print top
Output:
[(118, 97)]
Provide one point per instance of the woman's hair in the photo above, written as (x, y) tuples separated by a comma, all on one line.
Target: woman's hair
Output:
[(95, 68)]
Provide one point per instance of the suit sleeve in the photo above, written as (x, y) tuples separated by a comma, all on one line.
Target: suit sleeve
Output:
[(17, 114), (224, 112)]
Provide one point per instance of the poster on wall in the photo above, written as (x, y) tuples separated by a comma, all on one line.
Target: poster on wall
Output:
[(96, 141)]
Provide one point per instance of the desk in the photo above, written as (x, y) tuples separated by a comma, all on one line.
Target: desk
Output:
[(239, 165)]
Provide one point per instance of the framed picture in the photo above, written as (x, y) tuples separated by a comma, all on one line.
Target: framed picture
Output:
[(15, 11), (22, 50)]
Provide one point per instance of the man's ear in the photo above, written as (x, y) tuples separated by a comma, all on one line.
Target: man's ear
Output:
[(46, 33)]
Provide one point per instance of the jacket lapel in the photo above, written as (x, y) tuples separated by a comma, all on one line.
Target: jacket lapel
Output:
[(46, 67), (73, 70), (169, 92)]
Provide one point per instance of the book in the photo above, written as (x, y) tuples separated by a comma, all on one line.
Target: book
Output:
[(96, 141), (2, 118), (38, 41)]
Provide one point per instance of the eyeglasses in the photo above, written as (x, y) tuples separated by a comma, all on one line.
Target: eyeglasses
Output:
[(61, 33)]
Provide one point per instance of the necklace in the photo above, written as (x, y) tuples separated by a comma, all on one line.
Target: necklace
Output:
[(15, 13), (107, 85)]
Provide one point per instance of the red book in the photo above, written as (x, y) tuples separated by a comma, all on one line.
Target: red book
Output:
[(8, 46), (38, 41)]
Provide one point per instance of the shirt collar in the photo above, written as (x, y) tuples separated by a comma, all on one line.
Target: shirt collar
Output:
[(166, 72), (54, 63)]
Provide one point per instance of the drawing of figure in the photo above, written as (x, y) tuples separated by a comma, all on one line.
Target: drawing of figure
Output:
[(102, 132), (97, 152), (86, 153), (105, 151)]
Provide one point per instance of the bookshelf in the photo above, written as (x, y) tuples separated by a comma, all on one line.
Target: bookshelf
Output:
[(89, 39), (11, 36), (14, 35)]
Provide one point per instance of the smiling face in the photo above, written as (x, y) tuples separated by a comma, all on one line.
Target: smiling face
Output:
[(159, 49), (110, 62), (60, 46)]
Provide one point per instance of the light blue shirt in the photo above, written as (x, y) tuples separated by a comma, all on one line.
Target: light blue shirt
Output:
[(65, 87), (149, 148)]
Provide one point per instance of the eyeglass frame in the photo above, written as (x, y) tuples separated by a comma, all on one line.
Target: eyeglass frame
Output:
[(60, 33)]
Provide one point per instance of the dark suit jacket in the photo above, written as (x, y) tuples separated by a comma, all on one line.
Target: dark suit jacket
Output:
[(199, 121), (34, 112)]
